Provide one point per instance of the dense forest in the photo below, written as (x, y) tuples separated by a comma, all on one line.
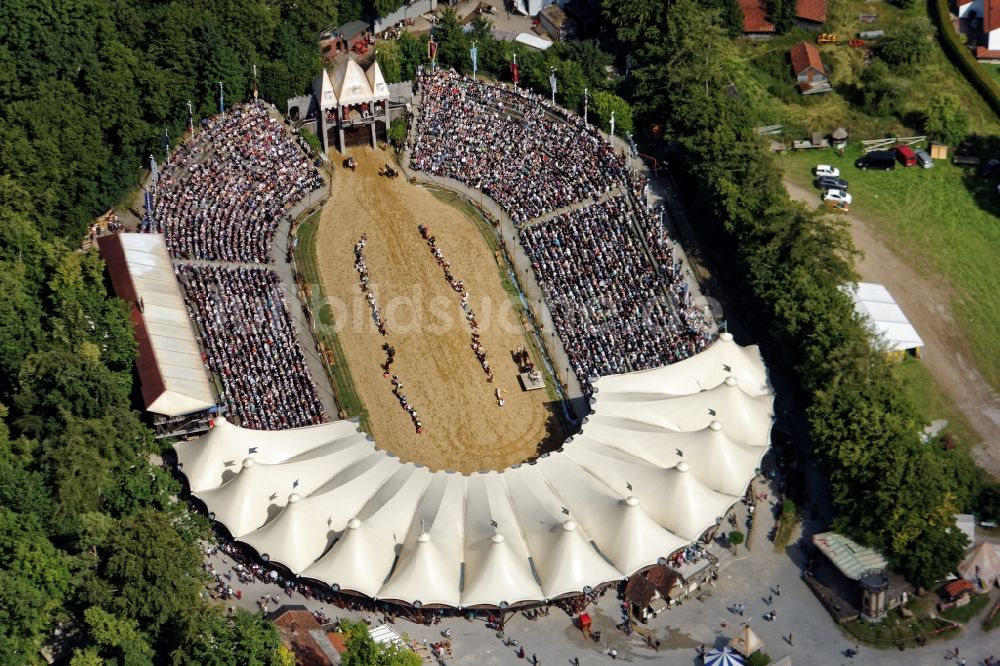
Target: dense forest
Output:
[(92, 540)]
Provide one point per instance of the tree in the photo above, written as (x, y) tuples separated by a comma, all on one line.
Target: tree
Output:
[(735, 539), (781, 13), (882, 94), (363, 651), (389, 60), (758, 659), (603, 104), (453, 43), (908, 44), (946, 119)]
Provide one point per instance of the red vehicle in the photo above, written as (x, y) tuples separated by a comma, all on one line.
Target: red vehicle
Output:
[(906, 156)]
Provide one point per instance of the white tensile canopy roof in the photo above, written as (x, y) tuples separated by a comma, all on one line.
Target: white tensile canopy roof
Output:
[(983, 563), (350, 84), (663, 455), (323, 91), (876, 303)]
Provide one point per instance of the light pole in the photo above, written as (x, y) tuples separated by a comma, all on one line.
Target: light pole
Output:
[(222, 103), (612, 128), (474, 52), (586, 98), (191, 119), (552, 83)]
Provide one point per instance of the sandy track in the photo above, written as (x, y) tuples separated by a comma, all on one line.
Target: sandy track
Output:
[(927, 303), (464, 428)]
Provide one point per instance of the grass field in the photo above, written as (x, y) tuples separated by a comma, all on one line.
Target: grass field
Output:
[(944, 223), (932, 401), (767, 85), (967, 612), (343, 385)]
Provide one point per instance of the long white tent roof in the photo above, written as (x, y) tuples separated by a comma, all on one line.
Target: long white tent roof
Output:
[(663, 455), (876, 303), (173, 377)]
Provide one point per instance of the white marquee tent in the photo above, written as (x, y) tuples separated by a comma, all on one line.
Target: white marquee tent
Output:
[(874, 302), (663, 455)]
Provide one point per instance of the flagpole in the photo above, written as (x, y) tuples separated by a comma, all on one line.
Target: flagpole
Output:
[(191, 119), (585, 100), (515, 72), (256, 91), (222, 103)]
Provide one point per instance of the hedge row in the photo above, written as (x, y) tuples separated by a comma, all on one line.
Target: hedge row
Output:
[(967, 62)]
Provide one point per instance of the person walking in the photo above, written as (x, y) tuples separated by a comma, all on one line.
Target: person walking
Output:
[(790, 643)]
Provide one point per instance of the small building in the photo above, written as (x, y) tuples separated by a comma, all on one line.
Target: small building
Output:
[(649, 593), (894, 330), (808, 68), (839, 137), (586, 14), (810, 14), (989, 41), (868, 570), (307, 639), (939, 151), (348, 36), (556, 23), (755, 22)]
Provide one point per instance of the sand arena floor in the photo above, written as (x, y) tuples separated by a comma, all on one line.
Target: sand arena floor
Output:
[(464, 428)]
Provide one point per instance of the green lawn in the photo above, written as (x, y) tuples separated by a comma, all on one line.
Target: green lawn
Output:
[(944, 223), (932, 401), (343, 384), (968, 611), (767, 85)]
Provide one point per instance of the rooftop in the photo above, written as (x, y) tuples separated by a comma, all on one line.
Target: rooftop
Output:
[(850, 557)]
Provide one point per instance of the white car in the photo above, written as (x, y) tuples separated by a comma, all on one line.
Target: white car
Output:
[(838, 196), (827, 170)]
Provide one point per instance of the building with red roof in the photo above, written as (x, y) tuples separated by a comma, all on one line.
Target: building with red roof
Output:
[(810, 13), (755, 22)]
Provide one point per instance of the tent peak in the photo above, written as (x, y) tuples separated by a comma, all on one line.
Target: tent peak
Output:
[(497, 538), (715, 425), (294, 498), (731, 381), (248, 463), (569, 526), (632, 500), (423, 537), (726, 336), (353, 524), (682, 466)]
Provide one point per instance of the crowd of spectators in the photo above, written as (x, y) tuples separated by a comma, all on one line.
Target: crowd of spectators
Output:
[(613, 310), (222, 197), (249, 342), (528, 155)]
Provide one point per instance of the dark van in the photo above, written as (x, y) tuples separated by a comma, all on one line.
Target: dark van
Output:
[(877, 159), (906, 156)]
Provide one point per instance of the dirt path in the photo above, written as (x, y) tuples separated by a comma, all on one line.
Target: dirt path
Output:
[(464, 428), (946, 350)]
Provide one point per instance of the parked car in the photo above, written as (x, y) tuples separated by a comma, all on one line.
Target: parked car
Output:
[(826, 170), (924, 160), (837, 207), (906, 156), (989, 167), (877, 159), (838, 196), (830, 183)]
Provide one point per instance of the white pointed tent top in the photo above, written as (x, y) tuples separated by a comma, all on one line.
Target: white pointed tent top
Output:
[(376, 82), (323, 91), (350, 84), (982, 562), (664, 454), (746, 642)]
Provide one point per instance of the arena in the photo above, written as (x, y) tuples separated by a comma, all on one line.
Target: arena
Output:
[(464, 428), (434, 507)]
